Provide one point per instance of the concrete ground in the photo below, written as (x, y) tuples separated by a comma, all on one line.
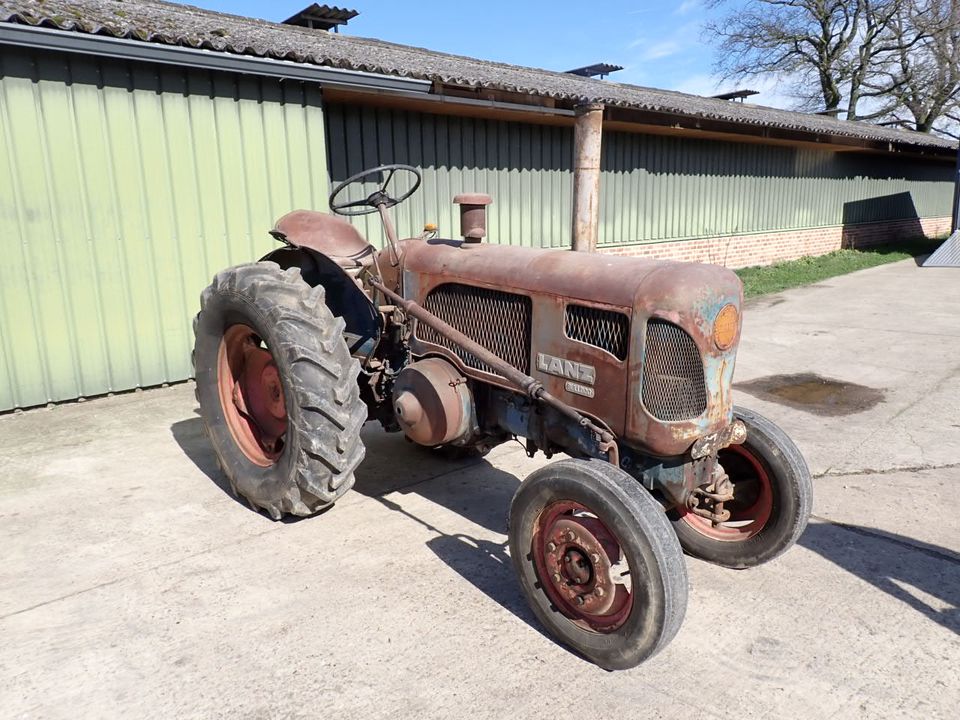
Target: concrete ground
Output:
[(134, 585)]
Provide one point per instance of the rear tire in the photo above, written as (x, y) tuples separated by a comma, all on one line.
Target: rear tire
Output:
[(572, 525), (773, 498), (312, 462)]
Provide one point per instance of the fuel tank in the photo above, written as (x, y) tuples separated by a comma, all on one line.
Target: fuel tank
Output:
[(628, 341)]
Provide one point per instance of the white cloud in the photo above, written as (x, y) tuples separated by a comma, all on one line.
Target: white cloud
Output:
[(687, 6), (662, 50)]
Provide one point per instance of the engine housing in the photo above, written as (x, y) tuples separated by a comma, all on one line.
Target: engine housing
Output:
[(627, 341)]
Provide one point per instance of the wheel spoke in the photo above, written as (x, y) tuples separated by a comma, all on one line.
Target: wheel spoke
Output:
[(383, 188)]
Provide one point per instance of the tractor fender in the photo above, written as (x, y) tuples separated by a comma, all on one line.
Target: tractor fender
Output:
[(343, 296)]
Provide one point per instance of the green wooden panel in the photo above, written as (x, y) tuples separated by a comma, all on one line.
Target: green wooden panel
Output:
[(665, 188), (123, 188), (526, 168)]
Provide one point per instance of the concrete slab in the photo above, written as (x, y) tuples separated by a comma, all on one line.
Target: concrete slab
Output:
[(134, 585)]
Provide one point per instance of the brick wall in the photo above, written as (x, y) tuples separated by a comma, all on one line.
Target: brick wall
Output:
[(736, 251)]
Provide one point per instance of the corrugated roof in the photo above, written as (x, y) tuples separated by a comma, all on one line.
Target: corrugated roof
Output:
[(184, 25)]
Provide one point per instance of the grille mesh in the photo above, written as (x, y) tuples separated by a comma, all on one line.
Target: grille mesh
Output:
[(604, 329), (673, 383), (499, 321)]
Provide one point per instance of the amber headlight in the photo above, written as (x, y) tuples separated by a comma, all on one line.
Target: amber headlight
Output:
[(725, 327)]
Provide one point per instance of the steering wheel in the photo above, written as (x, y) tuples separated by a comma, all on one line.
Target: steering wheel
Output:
[(378, 197)]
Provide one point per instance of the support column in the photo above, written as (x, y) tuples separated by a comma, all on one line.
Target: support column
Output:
[(587, 136)]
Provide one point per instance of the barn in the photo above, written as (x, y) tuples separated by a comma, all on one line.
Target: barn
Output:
[(147, 145)]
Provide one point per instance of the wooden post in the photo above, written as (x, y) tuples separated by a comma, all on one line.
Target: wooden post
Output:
[(587, 138)]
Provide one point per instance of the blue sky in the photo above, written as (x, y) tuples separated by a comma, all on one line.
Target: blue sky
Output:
[(658, 43)]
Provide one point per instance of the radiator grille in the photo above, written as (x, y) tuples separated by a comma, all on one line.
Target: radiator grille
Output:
[(604, 329), (499, 321), (673, 383)]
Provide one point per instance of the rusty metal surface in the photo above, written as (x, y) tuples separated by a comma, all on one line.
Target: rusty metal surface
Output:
[(251, 395), (335, 238), (432, 402), (582, 565), (685, 294), (526, 384), (473, 215), (587, 140)]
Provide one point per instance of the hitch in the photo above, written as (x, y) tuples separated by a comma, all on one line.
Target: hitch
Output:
[(718, 492)]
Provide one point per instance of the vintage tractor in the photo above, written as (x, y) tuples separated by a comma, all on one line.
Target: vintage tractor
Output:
[(623, 364)]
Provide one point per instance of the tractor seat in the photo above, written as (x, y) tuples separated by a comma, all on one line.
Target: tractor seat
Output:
[(335, 238)]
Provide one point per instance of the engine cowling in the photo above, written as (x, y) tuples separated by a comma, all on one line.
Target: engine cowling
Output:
[(632, 342)]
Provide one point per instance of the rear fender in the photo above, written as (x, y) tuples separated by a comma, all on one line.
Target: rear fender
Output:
[(344, 298)]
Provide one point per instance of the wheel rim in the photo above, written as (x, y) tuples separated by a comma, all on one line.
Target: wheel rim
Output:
[(251, 395), (581, 567), (752, 506)]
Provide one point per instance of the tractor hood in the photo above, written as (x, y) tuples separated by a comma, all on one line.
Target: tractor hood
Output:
[(668, 383), (597, 278)]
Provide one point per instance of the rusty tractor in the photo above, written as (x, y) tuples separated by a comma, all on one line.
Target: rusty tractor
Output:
[(623, 364)]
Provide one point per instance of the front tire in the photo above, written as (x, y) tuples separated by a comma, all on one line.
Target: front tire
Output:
[(773, 497), (277, 389), (598, 562)]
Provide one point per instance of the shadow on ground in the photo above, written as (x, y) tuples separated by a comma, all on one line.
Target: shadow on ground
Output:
[(473, 489), (925, 577)]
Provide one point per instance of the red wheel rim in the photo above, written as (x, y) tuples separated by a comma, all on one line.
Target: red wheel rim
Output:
[(581, 567), (251, 395), (752, 506)]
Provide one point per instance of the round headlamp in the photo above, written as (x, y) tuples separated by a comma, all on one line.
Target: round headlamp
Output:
[(725, 327)]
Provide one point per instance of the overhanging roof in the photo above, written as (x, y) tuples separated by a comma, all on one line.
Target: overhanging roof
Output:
[(153, 21)]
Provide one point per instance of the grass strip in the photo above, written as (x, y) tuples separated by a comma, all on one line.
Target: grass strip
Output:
[(764, 279)]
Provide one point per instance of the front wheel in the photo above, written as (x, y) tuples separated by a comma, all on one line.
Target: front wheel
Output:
[(598, 562), (772, 499)]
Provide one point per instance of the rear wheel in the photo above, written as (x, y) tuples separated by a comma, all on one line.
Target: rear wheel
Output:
[(773, 495), (277, 389), (598, 561)]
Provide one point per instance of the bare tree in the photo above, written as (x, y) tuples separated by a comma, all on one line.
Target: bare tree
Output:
[(806, 42), (920, 82), (891, 61)]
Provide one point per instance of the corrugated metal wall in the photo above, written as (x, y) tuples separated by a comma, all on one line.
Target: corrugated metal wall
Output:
[(664, 188), (526, 168), (122, 190)]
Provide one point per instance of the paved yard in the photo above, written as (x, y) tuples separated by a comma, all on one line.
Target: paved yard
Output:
[(134, 585)]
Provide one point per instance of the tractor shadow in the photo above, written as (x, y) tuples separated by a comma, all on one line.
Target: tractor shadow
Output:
[(899, 566), (189, 435), (473, 489)]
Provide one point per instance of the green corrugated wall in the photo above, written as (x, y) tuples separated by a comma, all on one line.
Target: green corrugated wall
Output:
[(526, 168), (123, 189), (665, 188)]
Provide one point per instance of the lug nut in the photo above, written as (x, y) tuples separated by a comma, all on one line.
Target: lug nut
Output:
[(557, 578), (580, 600), (551, 547), (571, 536), (595, 557), (598, 592)]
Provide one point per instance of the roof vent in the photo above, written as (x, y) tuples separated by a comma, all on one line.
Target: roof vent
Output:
[(736, 95), (600, 70), (322, 17)]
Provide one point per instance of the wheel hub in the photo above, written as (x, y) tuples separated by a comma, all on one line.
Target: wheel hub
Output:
[(251, 395), (577, 554), (744, 504)]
